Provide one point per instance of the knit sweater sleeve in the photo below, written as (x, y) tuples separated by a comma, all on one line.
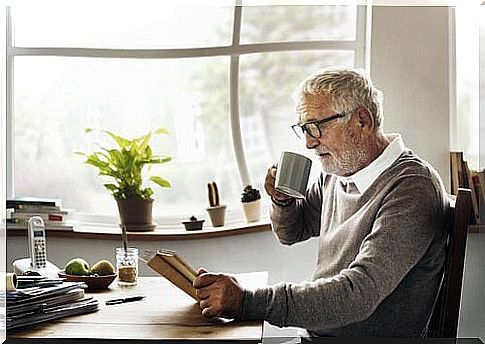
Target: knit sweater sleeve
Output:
[(408, 221), (299, 220)]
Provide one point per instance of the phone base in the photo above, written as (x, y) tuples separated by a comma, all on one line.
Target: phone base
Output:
[(21, 266)]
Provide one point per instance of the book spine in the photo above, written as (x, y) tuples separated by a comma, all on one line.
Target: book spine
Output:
[(180, 266), (45, 217), (481, 179), (37, 208), (19, 203), (16, 225), (455, 179), (186, 265), (159, 265), (468, 175)]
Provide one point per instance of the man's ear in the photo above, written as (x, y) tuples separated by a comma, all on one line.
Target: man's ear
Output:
[(365, 120)]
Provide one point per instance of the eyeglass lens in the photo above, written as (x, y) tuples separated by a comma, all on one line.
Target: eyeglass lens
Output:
[(314, 129), (311, 128)]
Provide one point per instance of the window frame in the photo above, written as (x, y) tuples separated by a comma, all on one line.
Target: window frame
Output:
[(360, 46)]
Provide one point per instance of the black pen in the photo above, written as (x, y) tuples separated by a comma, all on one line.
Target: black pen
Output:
[(125, 299)]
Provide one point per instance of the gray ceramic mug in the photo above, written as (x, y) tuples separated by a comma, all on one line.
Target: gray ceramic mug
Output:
[(292, 174)]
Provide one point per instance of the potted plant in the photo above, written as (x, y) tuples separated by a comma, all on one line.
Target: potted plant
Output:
[(217, 212), (125, 165), (193, 224), (251, 199)]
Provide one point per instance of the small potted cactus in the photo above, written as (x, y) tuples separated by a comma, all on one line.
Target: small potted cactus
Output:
[(251, 199), (193, 224), (217, 212)]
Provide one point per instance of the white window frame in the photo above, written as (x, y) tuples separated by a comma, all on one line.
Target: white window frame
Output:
[(360, 46)]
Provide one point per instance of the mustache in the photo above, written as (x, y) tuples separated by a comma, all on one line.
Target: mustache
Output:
[(320, 151)]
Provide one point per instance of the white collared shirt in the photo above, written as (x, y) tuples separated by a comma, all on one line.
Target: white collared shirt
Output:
[(364, 178)]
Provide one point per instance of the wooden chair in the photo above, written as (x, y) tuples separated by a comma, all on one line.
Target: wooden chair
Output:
[(444, 319)]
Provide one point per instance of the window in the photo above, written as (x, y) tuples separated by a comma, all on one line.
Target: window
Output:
[(466, 126), (220, 79)]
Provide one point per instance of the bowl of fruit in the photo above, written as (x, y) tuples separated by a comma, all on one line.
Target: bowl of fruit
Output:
[(97, 277)]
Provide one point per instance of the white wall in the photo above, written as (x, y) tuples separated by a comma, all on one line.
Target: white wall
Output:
[(409, 63), (482, 89)]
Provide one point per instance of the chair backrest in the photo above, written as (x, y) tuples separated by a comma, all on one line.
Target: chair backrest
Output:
[(444, 319)]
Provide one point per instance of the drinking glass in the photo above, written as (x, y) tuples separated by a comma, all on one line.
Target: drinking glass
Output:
[(127, 265)]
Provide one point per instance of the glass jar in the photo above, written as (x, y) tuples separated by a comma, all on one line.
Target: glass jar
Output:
[(127, 265)]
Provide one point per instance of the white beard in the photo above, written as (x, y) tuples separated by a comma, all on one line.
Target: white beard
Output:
[(352, 158)]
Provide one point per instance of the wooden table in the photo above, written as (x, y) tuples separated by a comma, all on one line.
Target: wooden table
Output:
[(165, 313)]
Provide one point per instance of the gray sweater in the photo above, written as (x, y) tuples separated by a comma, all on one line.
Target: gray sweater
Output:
[(380, 255)]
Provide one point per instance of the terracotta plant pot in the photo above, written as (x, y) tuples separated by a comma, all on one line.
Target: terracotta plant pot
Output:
[(252, 210), (136, 214), (217, 215)]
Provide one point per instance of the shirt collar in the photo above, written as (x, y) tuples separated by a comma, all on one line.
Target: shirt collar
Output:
[(364, 178)]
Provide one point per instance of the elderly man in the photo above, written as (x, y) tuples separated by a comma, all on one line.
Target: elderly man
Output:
[(378, 211)]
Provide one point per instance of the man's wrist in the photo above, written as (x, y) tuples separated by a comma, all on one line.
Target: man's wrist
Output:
[(241, 310), (284, 203)]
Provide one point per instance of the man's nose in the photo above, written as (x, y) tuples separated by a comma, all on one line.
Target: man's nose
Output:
[(311, 142)]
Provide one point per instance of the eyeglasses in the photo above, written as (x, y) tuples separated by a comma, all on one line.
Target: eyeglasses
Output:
[(313, 128)]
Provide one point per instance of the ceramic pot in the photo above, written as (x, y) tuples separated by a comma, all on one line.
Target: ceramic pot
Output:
[(136, 214), (217, 215), (193, 225), (252, 210)]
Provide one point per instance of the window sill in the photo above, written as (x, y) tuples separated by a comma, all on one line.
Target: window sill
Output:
[(106, 231)]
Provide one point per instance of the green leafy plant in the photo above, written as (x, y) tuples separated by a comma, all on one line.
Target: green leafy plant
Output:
[(125, 164), (250, 194)]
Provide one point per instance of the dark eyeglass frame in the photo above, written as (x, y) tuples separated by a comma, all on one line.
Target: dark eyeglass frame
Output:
[(303, 127)]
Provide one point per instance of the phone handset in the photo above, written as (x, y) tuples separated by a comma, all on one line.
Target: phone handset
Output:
[(37, 243)]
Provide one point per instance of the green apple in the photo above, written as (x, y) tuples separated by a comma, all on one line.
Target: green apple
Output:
[(103, 268), (77, 266)]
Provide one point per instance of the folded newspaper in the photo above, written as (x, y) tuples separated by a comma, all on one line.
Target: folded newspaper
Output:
[(37, 304)]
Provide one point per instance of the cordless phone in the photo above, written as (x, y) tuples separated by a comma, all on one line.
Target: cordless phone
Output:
[(37, 244), (37, 262)]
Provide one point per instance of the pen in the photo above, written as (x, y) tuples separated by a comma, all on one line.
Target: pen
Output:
[(124, 299)]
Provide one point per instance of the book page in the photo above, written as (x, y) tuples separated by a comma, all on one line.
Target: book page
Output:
[(160, 265), (178, 263)]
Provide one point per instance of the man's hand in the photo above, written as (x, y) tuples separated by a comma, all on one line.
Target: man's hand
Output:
[(220, 295), (269, 185)]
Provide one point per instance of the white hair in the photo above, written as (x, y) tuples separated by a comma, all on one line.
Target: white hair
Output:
[(348, 89)]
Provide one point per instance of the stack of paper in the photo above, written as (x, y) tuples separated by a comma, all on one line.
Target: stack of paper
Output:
[(21, 209), (43, 301)]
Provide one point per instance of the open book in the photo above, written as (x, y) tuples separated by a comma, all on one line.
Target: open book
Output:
[(174, 268)]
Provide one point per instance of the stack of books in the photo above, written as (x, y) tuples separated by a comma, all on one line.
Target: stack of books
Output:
[(38, 299), (464, 177), (21, 209)]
